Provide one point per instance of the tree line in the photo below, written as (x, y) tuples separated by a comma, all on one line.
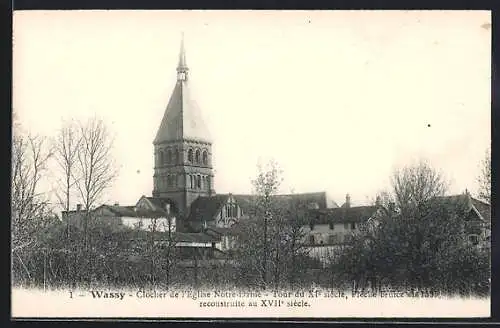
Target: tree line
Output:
[(415, 242)]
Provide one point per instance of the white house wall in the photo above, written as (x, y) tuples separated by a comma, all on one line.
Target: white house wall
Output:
[(147, 224), (324, 253), (322, 232), (195, 244)]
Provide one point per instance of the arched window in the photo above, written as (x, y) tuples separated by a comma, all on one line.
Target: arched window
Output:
[(198, 182), (208, 182), (191, 181), (174, 180), (175, 158), (161, 157), (190, 155), (168, 158), (197, 156), (205, 157)]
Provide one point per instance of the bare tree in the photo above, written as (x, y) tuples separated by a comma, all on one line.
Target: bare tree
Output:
[(95, 170), (30, 206), (266, 185), (169, 247), (66, 148), (415, 185), (484, 178)]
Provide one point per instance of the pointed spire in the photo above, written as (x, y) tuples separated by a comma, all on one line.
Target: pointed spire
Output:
[(182, 68)]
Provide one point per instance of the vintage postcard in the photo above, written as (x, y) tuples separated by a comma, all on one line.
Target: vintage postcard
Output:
[(243, 164)]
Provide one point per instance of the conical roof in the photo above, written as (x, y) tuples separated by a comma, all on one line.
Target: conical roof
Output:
[(182, 118)]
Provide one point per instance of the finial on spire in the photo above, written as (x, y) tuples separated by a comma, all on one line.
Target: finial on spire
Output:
[(182, 54), (182, 68)]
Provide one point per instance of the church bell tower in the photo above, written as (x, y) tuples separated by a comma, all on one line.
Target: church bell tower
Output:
[(182, 147)]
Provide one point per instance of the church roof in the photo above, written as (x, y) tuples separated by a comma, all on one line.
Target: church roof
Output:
[(206, 207), (182, 118)]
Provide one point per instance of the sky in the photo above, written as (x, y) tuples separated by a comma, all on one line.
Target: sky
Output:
[(338, 98)]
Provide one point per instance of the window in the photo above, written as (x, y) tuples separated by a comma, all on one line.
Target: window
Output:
[(198, 182), (205, 157), (168, 158), (331, 225), (346, 226), (197, 156), (332, 239), (161, 157), (190, 155), (353, 225), (473, 239), (311, 240), (191, 181), (311, 225), (175, 160), (231, 210), (208, 183)]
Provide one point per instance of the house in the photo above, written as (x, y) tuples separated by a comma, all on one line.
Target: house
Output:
[(478, 217), (329, 230)]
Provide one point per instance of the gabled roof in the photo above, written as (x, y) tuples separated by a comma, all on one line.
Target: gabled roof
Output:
[(195, 237), (192, 237), (343, 215), (132, 211), (299, 200), (204, 208), (158, 203), (481, 208), (182, 118)]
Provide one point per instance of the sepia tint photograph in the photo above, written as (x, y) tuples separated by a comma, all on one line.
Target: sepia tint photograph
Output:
[(238, 164)]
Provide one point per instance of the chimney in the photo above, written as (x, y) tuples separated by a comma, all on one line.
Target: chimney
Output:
[(78, 207), (347, 201)]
